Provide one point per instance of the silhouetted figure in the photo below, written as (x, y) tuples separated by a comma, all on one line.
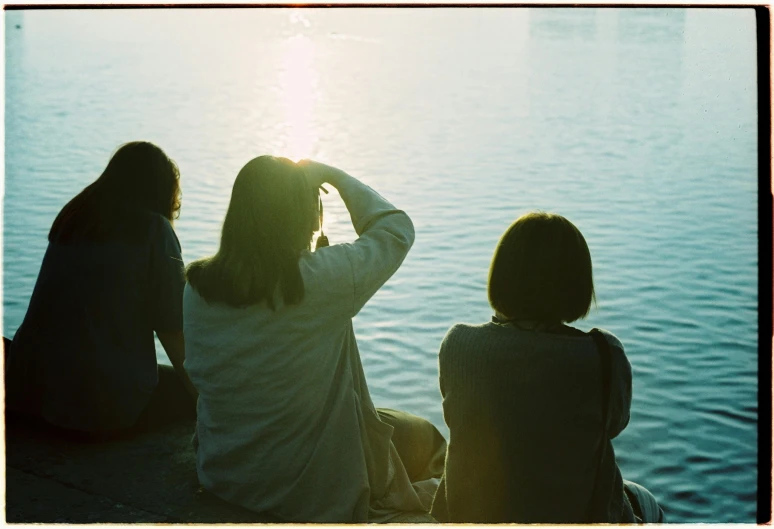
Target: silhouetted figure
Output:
[(526, 396), (286, 424), (84, 357)]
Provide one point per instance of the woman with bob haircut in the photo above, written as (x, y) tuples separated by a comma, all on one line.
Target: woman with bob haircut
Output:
[(285, 422), (532, 403), (84, 358)]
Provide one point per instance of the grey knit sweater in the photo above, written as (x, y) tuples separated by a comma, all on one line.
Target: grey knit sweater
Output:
[(524, 410)]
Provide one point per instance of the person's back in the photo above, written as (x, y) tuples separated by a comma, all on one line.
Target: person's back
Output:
[(84, 357), (86, 343), (532, 403), (286, 425), (524, 411), (276, 378)]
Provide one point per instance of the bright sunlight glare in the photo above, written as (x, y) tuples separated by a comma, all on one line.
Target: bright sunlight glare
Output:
[(298, 94)]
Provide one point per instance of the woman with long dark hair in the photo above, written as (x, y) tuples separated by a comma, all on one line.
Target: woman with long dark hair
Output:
[(533, 403), (84, 357), (285, 421)]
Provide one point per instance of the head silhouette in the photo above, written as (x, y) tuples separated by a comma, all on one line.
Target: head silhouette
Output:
[(270, 208), (138, 177), (541, 271), (270, 220)]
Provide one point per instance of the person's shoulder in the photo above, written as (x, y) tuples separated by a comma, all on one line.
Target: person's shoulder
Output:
[(328, 265), (143, 226), (157, 222), (613, 340), (463, 335), (465, 329), (465, 348), (161, 231), (618, 353)]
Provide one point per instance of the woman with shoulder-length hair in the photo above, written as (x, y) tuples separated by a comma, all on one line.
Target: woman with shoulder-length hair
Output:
[(84, 357), (285, 423), (532, 403)]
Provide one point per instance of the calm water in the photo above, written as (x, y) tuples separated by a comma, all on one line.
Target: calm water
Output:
[(638, 125)]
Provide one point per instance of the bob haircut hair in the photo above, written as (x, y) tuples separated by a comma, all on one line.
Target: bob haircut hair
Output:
[(270, 220), (138, 177), (541, 271)]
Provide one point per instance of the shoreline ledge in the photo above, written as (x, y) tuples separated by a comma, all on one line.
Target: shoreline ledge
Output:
[(149, 478)]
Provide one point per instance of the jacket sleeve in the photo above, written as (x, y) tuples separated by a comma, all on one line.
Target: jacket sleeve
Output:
[(385, 236)]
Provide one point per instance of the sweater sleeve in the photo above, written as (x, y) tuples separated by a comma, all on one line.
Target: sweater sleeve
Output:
[(471, 488), (440, 508), (385, 237), (621, 378)]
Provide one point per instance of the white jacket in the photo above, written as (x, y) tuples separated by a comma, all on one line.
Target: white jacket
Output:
[(285, 421)]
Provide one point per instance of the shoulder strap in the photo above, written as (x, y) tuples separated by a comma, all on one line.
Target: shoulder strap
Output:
[(605, 363)]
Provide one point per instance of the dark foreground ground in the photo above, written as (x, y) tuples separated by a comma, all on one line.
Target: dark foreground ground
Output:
[(147, 479)]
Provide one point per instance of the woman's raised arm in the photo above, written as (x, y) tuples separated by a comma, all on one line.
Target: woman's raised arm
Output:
[(385, 233)]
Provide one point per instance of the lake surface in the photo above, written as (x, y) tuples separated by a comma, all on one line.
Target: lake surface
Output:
[(639, 125)]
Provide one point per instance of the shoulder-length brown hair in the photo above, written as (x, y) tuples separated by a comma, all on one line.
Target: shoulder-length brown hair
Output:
[(269, 221), (139, 177), (541, 271)]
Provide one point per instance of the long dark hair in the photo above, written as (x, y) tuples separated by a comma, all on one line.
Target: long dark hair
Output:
[(270, 220), (139, 176)]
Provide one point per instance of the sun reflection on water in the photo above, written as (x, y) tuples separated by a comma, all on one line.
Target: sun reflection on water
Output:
[(298, 93)]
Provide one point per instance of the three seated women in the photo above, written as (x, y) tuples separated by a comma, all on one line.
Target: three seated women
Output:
[(285, 421)]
